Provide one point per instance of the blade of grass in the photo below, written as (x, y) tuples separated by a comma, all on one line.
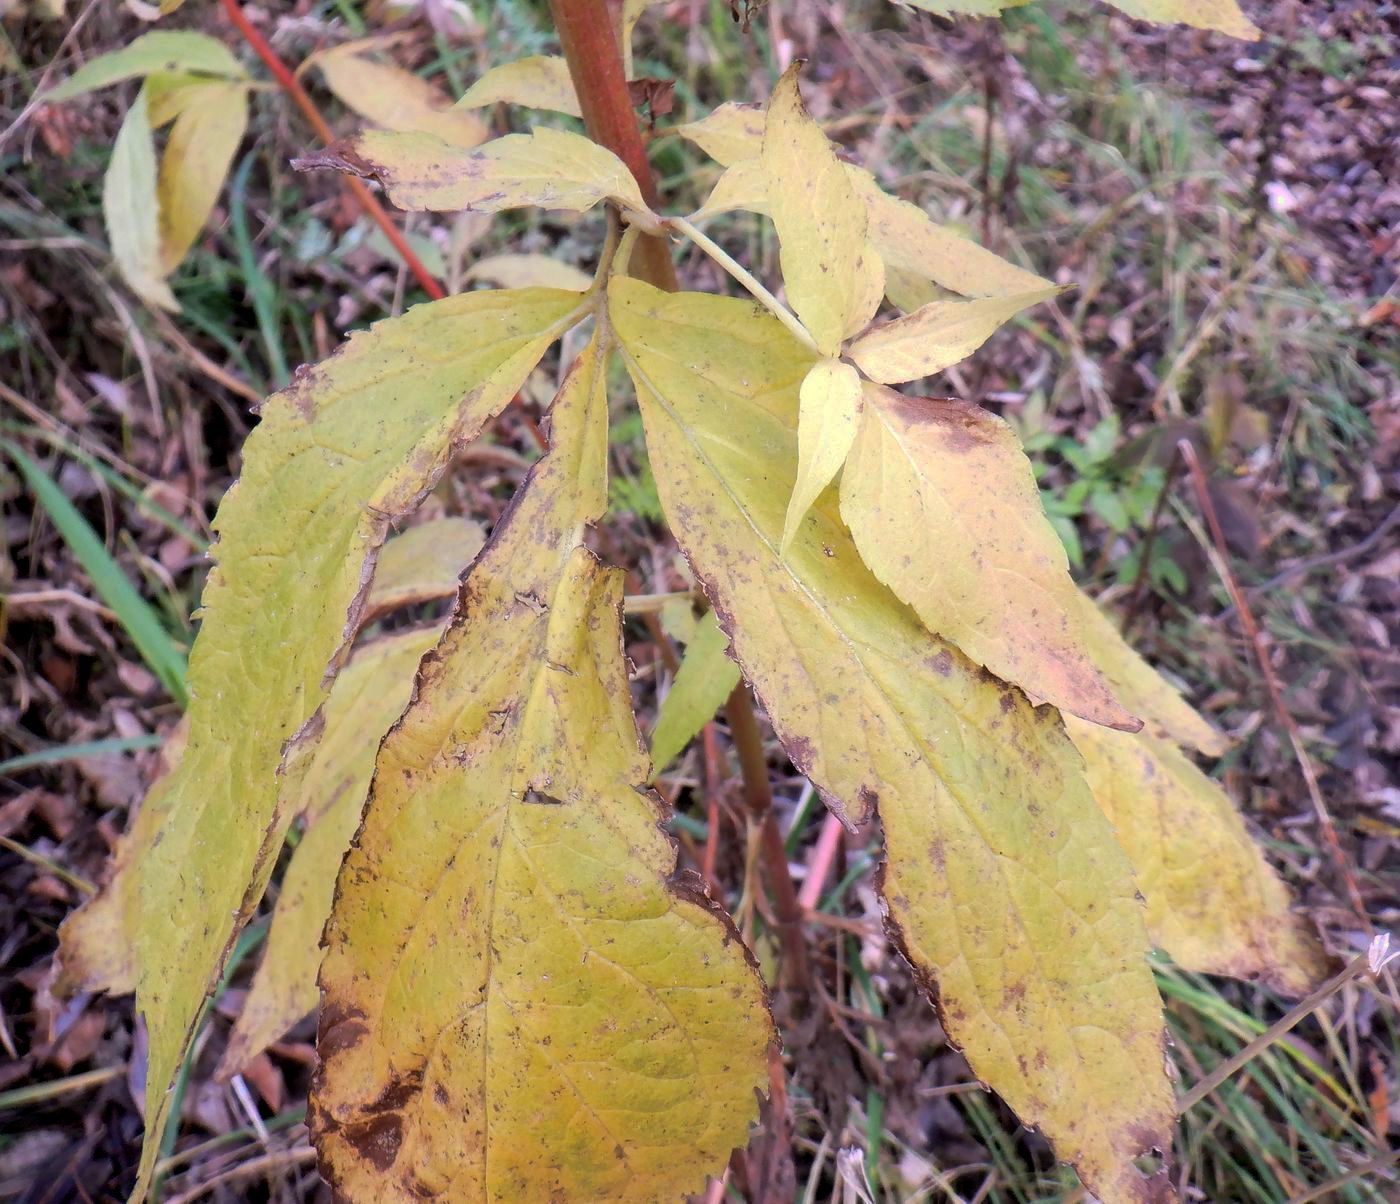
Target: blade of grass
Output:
[(60, 753), (137, 616), (260, 290)]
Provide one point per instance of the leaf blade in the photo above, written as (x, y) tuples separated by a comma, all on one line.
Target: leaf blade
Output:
[(538, 82), (707, 677), (829, 403), (207, 133), (395, 99), (130, 209), (160, 51)]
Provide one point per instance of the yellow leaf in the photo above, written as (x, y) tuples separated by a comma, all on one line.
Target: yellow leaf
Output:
[(870, 290), (517, 1002), (327, 790), (1139, 687), (422, 564), (944, 508), (908, 290), (130, 208), (730, 134), (526, 271), (829, 408), (1213, 902), (936, 336), (705, 679), (744, 185), (550, 168), (207, 132), (350, 446), (97, 941), (1003, 877), (1224, 16), (394, 99), (158, 52), (820, 222), (539, 82)]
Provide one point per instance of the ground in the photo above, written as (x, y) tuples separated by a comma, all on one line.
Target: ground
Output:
[(1227, 214)]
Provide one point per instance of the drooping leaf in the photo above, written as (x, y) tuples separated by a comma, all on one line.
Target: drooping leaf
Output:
[(392, 98), (705, 679), (130, 209), (550, 168), (538, 82), (829, 409), (170, 52), (207, 132), (936, 336), (1003, 880), (944, 508), (327, 790), (347, 448), (819, 219), (422, 564), (528, 271), (1213, 902), (518, 1004)]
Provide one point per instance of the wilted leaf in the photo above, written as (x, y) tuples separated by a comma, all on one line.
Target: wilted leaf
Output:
[(130, 208), (394, 99), (170, 52), (1213, 902), (539, 82), (518, 1004), (936, 336), (820, 222), (207, 132), (1004, 881), (327, 790), (705, 679), (550, 168), (526, 271), (944, 508), (351, 445), (422, 564), (829, 408)]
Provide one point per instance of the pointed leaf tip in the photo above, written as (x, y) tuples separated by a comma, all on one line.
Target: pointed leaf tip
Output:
[(829, 409)]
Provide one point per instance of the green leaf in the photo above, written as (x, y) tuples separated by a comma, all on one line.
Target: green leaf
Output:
[(161, 51), (707, 677)]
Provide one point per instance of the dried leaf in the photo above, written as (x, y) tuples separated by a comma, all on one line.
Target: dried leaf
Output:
[(527, 271), (1213, 902), (518, 1002), (422, 564), (1004, 881), (538, 82), (820, 222), (705, 679), (208, 129), (130, 208), (936, 336), (829, 408), (327, 789), (161, 51), (395, 99), (347, 448), (550, 168), (944, 508)]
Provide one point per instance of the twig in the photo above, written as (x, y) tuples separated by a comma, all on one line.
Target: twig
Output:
[(35, 1093), (368, 202), (76, 881), (1271, 684)]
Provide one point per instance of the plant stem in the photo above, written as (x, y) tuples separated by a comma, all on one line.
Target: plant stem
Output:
[(588, 33), (747, 279), (292, 87)]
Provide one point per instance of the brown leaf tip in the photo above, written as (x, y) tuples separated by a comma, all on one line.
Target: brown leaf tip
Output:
[(339, 156)]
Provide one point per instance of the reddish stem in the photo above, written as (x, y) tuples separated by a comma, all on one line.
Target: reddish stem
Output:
[(368, 202), (819, 867)]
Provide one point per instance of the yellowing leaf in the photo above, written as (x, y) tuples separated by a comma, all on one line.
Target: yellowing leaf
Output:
[(1003, 877), (1224, 16), (705, 679), (207, 132), (1213, 902), (730, 134), (161, 51), (741, 186), (539, 82), (829, 401), (870, 290), (351, 445), (1139, 687), (130, 208), (518, 1004), (820, 222), (327, 789), (394, 99), (527, 271), (422, 564), (550, 168), (944, 508), (936, 336)]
